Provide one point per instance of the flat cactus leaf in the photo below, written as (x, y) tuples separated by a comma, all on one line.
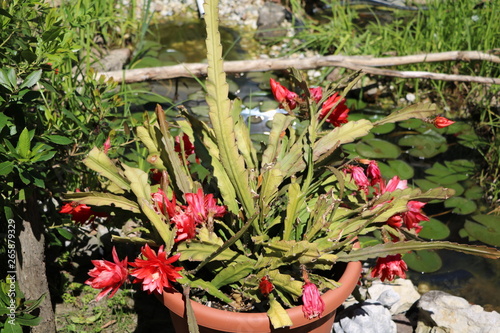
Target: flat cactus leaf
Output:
[(383, 250), (286, 283), (220, 113), (278, 315), (98, 161), (280, 123), (233, 273), (207, 286), (419, 111), (340, 135), (103, 199)]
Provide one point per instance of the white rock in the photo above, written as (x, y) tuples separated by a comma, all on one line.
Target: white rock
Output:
[(367, 317), (404, 288), (442, 312)]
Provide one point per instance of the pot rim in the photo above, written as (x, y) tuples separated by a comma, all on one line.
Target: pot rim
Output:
[(206, 316)]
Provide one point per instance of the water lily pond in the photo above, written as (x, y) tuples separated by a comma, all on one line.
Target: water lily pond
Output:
[(418, 152)]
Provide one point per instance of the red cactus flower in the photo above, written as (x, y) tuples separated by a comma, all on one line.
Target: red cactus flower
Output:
[(395, 183), (373, 172), (187, 146), (80, 213), (395, 221), (316, 93), (285, 97), (108, 276), (155, 272), (389, 267), (265, 286), (337, 116), (203, 207), (359, 176), (107, 145), (163, 204), (414, 215), (442, 122), (312, 303), (185, 224)]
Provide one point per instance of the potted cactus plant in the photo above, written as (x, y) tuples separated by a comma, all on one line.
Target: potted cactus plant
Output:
[(258, 230)]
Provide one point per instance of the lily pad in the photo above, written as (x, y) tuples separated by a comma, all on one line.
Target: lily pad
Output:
[(459, 189), (424, 145), (425, 184), (434, 230), (485, 228), (474, 193), (461, 165), (396, 168), (423, 261), (448, 179), (461, 205), (384, 129), (377, 148), (438, 169), (411, 123)]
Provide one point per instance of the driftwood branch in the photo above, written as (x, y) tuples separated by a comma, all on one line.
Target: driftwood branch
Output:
[(363, 63)]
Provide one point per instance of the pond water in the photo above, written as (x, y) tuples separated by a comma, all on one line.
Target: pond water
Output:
[(426, 157)]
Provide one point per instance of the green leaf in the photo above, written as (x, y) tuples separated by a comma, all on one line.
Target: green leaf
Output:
[(419, 111), (31, 79), (423, 261), (199, 251), (65, 233), (101, 163), (12, 328), (24, 144), (233, 273), (4, 80), (6, 167), (190, 315), (286, 283), (103, 199), (28, 320), (424, 145), (377, 149), (434, 230), (485, 228), (295, 202), (207, 286), (278, 315), (448, 179), (396, 168), (340, 135), (474, 193), (383, 250), (461, 205), (280, 123), (220, 113), (59, 139)]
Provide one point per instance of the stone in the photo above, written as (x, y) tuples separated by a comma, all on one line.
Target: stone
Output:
[(442, 312), (388, 298), (404, 288), (271, 13), (367, 317), (269, 22)]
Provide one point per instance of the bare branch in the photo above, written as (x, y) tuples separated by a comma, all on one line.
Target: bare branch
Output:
[(364, 63)]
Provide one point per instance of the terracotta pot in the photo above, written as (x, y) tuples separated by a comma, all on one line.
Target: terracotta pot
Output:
[(212, 320)]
